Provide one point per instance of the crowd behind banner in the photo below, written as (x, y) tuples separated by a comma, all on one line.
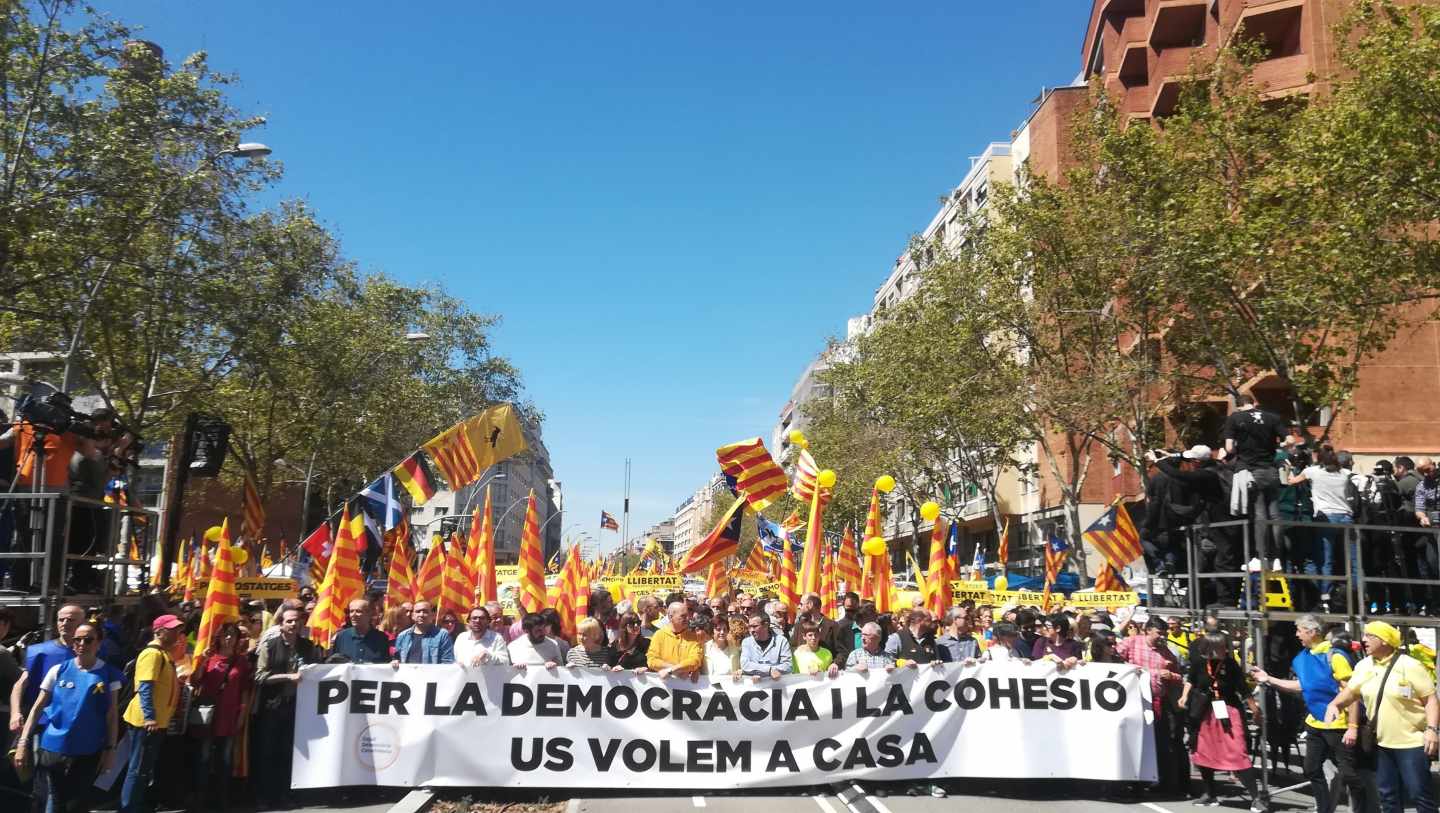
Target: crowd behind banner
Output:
[(185, 721)]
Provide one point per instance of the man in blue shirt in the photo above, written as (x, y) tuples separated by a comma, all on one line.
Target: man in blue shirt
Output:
[(361, 642), (424, 642)]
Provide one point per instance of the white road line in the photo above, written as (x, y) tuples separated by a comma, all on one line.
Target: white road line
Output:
[(698, 800), (1154, 807), (879, 805), (824, 804)]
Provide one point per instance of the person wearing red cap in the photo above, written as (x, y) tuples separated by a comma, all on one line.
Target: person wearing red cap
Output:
[(147, 717)]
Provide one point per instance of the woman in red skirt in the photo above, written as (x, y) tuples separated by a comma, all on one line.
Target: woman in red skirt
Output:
[(1213, 698)]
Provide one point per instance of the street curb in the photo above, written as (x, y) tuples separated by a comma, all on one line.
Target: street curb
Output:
[(414, 802), (573, 806)]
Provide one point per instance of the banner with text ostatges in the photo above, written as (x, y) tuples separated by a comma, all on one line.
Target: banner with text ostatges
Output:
[(575, 728)]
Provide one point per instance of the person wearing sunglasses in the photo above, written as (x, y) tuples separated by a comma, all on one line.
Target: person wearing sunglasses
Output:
[(632, 648), (77, 709)]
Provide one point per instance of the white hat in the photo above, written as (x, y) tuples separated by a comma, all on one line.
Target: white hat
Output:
[(1198, 452), (1140, 616)]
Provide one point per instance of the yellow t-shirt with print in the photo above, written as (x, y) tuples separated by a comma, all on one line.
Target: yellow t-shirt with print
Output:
[(155, 666), (1401, 722), (1340, 668)]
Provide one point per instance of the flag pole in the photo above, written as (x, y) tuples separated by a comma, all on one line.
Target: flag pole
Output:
[(625, 525)]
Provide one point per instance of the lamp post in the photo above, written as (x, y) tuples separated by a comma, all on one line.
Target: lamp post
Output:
[(309, 472)]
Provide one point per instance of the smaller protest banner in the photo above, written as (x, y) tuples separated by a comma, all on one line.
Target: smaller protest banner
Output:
[(259, 588)]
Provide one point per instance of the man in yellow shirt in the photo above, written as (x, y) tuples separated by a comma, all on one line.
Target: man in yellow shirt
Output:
[(1407, 719), (148, 715), (1320, 674), (676, 649)]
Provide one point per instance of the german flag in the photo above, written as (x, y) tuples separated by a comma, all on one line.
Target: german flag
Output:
[(253, 522), (757, 476), (414, 475)]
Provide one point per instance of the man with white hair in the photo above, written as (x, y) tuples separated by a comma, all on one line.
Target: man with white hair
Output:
[(1320, 674), (871, 654), (675, 649)]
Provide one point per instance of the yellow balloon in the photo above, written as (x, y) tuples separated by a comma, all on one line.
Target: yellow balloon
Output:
[(885, 484), (826, 478), (240, 555), (930, 511), (213, 533), (1002, 583), (798, 438), (874, 546)]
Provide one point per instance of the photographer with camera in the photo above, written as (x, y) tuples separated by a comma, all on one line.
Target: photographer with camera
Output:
[(46, 438), (1380, 503)]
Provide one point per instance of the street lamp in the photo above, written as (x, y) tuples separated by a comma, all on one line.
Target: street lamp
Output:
[(309, 473)]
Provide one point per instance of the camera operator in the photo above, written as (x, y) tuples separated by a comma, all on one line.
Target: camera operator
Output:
[(1296, 505), (1383, 551), (1168, 511), (66, 434), (1197, 482), (1427, 515)]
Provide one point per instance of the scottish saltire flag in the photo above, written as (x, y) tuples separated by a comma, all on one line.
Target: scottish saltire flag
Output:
[(379, 501)]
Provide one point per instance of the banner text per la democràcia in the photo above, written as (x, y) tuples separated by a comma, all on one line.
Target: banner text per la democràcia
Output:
[(494, 726)]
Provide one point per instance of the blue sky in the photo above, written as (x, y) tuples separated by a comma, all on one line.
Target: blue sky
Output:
[(671, 205)]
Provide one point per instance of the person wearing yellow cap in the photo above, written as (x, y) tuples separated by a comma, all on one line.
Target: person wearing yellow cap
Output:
[(1406, 718)]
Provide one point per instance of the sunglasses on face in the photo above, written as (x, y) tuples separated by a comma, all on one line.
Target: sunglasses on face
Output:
[(634, 622), (83, 639)]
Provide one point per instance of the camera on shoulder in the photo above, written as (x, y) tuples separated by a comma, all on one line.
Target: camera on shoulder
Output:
[(50, 410)]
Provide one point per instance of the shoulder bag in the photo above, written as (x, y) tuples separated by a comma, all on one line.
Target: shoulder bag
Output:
[(1368, 736)]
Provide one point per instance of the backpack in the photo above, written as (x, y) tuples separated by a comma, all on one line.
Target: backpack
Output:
[(127, 686)]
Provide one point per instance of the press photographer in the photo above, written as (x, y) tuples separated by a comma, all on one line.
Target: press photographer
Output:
[(53, 443)]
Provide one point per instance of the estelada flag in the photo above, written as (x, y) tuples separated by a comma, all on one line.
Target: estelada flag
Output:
[(608, 522), (222, 602), (414, 476), (1114, 535), (722, 542)]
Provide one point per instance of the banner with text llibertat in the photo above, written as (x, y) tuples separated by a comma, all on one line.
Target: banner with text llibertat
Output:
[(573, 728)]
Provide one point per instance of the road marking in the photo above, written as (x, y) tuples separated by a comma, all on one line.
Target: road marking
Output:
[(1154, 807), (824, 804), (698, 800), (879, 805)]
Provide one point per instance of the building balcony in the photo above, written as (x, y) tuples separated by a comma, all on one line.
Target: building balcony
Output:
[(1284, 76), (1120, 9), (1178, 23), (1277, 25), (1133, 66)]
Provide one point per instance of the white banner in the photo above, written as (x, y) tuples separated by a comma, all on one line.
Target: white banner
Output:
[(494, 726)]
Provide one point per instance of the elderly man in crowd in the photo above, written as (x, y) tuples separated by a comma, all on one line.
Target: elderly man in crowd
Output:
[(1399, 696), (1150, 650), (676, 649), (1320, 675), (871, 653), (915, 642), (361, 642), (764, 652)]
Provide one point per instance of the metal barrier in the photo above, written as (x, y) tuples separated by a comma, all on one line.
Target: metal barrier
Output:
[(40, 567), (1253, 611)]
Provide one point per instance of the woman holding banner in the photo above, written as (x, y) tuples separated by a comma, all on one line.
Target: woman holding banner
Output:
[(1213, 697), (632, 648)]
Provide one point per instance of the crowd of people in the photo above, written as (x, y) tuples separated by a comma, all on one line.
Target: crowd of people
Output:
[(1301, 499), (200, 714)]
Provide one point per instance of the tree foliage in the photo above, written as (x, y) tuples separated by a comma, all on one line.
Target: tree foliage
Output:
[(127, 230)]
